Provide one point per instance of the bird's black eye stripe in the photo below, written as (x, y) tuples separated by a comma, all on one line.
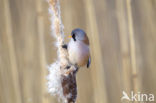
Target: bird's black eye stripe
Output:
[(73, 36)]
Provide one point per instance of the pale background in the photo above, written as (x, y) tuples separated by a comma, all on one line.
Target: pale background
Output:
[(122, 40)]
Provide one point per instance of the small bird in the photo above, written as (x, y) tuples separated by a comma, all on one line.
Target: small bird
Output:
[(78, 48)]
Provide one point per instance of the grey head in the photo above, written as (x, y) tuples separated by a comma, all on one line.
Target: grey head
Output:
[(78, 34)]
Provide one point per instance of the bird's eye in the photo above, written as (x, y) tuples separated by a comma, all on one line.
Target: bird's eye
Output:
[(73, 36)]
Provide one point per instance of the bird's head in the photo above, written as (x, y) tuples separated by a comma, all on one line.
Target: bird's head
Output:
[(79, 35)]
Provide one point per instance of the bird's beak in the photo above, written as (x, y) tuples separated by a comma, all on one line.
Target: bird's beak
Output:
[(70, 36)]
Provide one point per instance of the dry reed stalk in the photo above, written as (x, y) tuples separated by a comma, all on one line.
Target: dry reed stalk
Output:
[(135, 81), (11, 51), (98, 73), (134, 71), (61, 81)]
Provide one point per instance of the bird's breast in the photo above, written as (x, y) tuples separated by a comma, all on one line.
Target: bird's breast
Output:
[(78, 53)]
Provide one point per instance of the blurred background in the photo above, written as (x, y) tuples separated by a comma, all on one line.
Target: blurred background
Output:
[(122, 37)]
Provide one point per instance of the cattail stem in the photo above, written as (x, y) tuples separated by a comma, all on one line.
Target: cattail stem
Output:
[(61, 81)]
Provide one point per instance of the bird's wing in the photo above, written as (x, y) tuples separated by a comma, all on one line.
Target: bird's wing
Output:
[(89, 62)]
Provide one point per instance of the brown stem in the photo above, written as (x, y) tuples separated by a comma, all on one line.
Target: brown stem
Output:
[(69, 88)]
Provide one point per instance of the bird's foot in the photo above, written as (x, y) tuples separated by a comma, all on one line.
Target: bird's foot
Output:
[(64, 46), (67, 67), (70, 69)]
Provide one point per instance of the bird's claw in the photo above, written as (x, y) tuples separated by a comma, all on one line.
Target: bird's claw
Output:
[(64, 46), (70, 69)]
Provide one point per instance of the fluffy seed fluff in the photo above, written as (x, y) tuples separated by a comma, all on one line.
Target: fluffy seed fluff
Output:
[(60, 81), (54, 80), (54, 77)]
